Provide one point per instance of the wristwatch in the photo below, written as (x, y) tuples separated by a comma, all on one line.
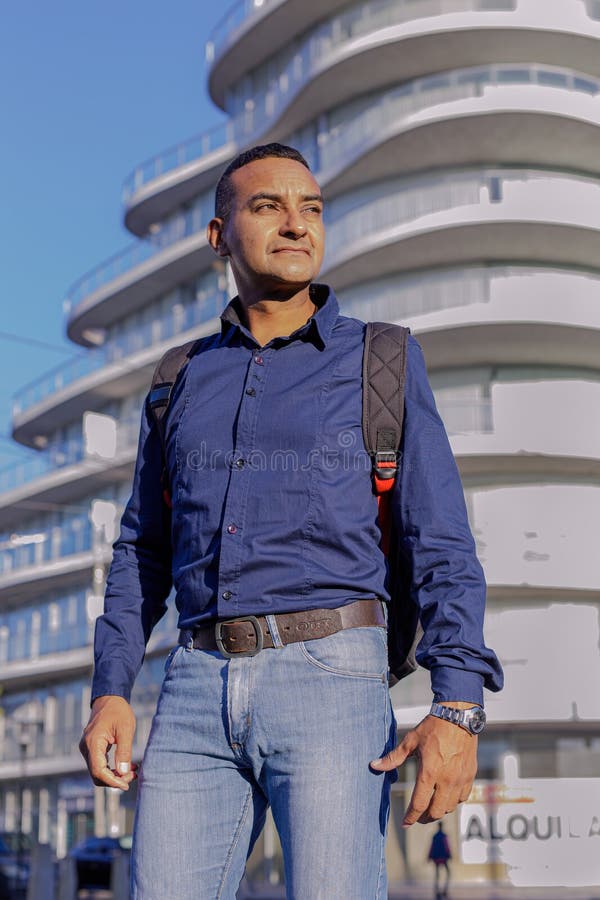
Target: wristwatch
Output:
[(471, 719)]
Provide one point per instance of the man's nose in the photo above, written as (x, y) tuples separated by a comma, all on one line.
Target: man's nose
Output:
[(293, 224)]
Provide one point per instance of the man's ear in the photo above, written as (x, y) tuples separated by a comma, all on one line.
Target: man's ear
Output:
[(214, 235)]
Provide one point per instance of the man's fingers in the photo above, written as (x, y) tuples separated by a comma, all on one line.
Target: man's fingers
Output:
[(419, 802), (442, 802), (465, 792), (111, 723), (101, 772), (124, 742)]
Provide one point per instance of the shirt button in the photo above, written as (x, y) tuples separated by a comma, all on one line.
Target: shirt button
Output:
[(250, 391), (232, 528), (258, 360), (240, 463), (226, 595)]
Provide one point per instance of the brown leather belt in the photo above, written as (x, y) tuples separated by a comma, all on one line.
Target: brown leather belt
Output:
[(248, 635)]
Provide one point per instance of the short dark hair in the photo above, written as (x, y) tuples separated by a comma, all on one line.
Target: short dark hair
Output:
[(224, 192)]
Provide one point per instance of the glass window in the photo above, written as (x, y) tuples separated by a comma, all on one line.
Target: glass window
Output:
[(552, 79), (475, 76), (513, 76), (495, 189), (434, 82), (588, 87)]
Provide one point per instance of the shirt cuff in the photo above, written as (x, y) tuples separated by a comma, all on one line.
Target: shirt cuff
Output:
[(448, 683), (101, 687)]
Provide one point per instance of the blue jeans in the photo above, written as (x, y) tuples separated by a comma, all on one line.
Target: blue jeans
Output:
[(293, 727)]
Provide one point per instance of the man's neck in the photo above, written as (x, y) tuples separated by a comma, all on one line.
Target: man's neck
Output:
[(268, 318)]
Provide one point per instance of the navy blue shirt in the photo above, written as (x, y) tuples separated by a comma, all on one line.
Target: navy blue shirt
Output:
[(273, 507)]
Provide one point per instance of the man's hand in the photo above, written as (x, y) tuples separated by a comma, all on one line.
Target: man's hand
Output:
[(447, 766), (112, 721)]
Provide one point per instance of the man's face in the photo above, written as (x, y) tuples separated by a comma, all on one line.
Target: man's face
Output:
[(274, 235)]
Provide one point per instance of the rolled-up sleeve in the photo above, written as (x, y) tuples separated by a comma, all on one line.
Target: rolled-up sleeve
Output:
[(139, 579), (437, 547)]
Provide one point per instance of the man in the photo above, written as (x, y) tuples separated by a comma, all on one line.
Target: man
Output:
[(273, 517)]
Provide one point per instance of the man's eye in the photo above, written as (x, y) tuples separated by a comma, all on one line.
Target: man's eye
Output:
[(266, 206), (314, 209)]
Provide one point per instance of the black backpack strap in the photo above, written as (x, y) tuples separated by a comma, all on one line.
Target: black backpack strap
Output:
[(384, 376), (164, 377)]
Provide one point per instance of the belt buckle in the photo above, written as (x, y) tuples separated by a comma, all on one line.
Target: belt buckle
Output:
[(257, 630)]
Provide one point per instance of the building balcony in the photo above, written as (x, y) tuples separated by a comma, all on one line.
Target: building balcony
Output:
[(442, 298), (58, 753), (117, 369), (35, 657), (144, 271), (506, 430), (244, 38), (56, 558), (461, 218), (525, 633), (492, 315), (507, 114), (549, 551), (64, 472), (370, 45), (175, 176), (503, 114)]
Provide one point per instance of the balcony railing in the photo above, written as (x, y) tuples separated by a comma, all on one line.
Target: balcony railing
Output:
[(18, 645), (261, 105), (423, 93), (378, 14), (406, 200), (234, 18), (179, 155), (59, 456), (180, 226), (401, 297), (410, 200), (45, 546), (21, 639), (175, 321)]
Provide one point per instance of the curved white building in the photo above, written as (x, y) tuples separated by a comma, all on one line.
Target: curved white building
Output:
[(456, 142)]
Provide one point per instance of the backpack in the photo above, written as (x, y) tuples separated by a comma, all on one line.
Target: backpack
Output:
[(384, 375)]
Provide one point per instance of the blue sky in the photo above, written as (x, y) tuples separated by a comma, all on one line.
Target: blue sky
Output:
[(87, 91)]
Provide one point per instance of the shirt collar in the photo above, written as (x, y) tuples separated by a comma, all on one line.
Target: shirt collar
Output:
[(318, 328)]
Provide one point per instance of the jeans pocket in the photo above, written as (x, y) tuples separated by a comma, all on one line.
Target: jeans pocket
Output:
[(356, 652)]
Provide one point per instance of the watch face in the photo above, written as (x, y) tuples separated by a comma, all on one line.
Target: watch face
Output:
[(477, 721)]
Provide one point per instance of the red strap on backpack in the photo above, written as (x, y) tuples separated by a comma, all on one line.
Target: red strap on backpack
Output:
[(383, 487)]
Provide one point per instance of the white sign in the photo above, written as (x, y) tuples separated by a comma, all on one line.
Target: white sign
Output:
[(545, 830)]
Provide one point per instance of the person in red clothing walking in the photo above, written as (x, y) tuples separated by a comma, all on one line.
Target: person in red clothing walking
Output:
[(439, 853)]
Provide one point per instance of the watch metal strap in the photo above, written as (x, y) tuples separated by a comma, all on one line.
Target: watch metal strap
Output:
[(447, 712)]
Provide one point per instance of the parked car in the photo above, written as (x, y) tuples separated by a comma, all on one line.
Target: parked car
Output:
[(15, 856), (94, 857)]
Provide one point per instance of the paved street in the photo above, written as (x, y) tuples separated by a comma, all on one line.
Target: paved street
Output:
[(461, 892), (422, 892)]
